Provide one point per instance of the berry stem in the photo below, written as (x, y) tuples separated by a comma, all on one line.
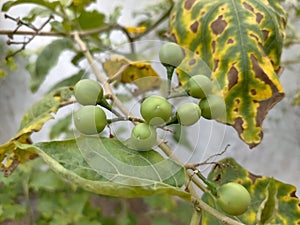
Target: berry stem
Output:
[(211, 186), (170, 71), (162, 144), (224, 219), (101, 78), (196, 217)]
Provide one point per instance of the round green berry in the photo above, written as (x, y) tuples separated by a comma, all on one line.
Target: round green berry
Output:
[(188, 113), (143, 137), (88, 92), (213, 107), (171, 54), (199, 86), (233, 198), (156, 110), (90, 120)]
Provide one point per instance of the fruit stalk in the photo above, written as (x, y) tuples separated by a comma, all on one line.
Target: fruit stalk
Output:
[(224, 219), (163, 146)]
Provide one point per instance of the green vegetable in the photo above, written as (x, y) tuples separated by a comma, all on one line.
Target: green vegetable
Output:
[(156, 110), (88, 92), (213, 107), (188, 113), (171, 54), (199, 86), (233, 198), (143, 137), (90, 120)]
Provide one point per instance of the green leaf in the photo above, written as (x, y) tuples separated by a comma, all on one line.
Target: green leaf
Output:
[(46, 60), (91, 20), (33, 121), (37, 12), (41, 111), (269, 207), (107, 167), (81, 4), (50, 5), (272, 201), (241, 42)]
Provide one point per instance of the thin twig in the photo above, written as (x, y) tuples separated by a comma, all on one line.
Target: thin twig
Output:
[(24, 43), (154, 25), (132, 119), (224, 219), (108, 90), (117, 74), (193, 166)]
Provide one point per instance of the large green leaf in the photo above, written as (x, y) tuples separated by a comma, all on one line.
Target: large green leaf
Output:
[(33, 121), (105, 166), (241, 42), (272, 201), (46, 60)]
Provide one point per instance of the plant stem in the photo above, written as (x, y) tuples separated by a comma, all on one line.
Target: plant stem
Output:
[(164, 147), (108, 90), (224, 219), (196, 217)]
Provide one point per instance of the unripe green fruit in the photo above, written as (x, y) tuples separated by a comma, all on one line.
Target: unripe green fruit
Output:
[(213, 107), (233, 198), (171, 54), (156, 110), (90, 120), (188, 113), (88, 92), (199, 86), (143, 137)]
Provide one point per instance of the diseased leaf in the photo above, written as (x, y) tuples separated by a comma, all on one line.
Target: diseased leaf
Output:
[(269, 207), (272, 202), (241, 42), (107, 167), (137, 72), (33, 121), (46, 60)]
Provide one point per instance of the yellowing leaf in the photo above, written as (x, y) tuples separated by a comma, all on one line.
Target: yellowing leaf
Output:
[(136, 30), (272, 201), (241, 42), (34, 119), (137, 72)]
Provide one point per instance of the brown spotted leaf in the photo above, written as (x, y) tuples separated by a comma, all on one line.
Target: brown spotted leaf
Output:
[(139, 73), (241, 42), (272, 201)]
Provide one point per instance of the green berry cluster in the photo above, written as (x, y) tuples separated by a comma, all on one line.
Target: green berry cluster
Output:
[(90, 118), (156, 111), (212, 106)]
